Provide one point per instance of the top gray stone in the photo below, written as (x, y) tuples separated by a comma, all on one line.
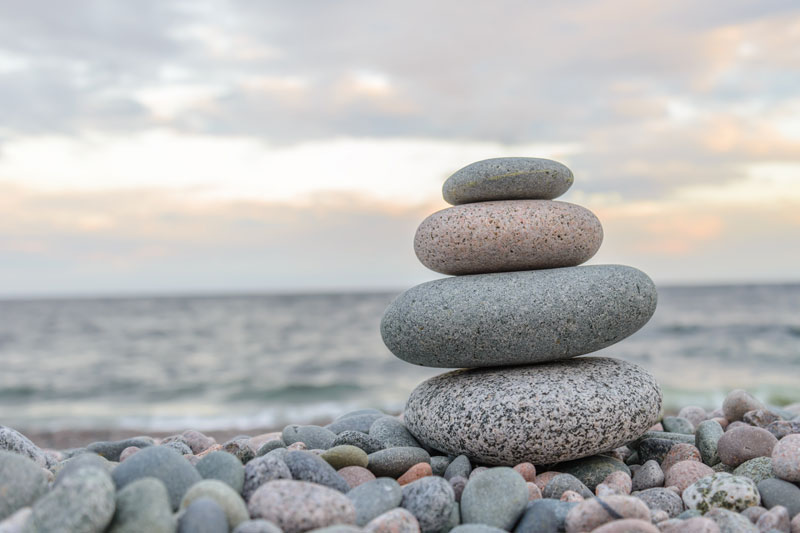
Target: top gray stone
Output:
[(507, 178)]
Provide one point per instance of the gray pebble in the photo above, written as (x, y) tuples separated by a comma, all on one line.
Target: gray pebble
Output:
[(298, 506), (78, 462), (229, 501), (394, 462), (707, 436), (374, 498), (592, 470), (460, 466), (737, 403), (263, 469), (360, 423), (730, 522), (439, 464), (143, 506), (454, 520), (270, 445), (781, 428), (497, 497), (648, 476), (222, 466), (315, 437), (111, 449), (13, 441), (257, 526), (22, 482), (757, 469), (677, 424), (430, 500), (779, 492), (562, 483), (204, 515), (359, 440), (178, 446), (173, 470), (544, 516), (663, 499), (760, 418), (392, 433), (306, 466)]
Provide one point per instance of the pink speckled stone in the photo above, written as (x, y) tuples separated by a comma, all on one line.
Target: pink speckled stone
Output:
[(527, 471), (571, 496), (418, 471), (697, 524), (544, 478), (356, 475), (627, 525), (741, 444), (680, 452), (534, 492), (506, 236), (685, 473), (786, 458), (395, 521), (591, 514)]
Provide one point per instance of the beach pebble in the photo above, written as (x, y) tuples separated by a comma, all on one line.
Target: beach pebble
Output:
[(663, 500), (619, 481), (374, 498), (730, 522), (476, 528), (786, 458), (240, 449), (305, 466), (314, 437), (593, 513), (544, 478), (257, 526), (228, 500), (627, 525), (582, 406), (534, 492), (685, 473), (395, 521), (22, 482), (507, 178), (527, 471), (693, 414), (497, 497), (356, 475), (506, 236), (744, 443), (760, 418), (224, 467), (648, 476), (83, 501), (779, 492), (477, 471), (781, 428), (13, 441), (593, 470), (298, 506), (737, 424), (680, 452), (358, 422), (394, 462), (707, 437), (690, 525), (571, 496), (345, 455), (737, 403), (721, 490), (296, 447), (16, 522), (757, 469), (564, 482), (754, 513), (392, 433), (722, 467), (663, 435), (172, 469), (127, 452), (268, 446), (143, 506), (655, 449), (796, 524), (203, 515), (446, 322), (431, 501), (776, 518), (176, 446), (197, 441), (416, 472), (544, 516), (359, 440), (111, 450), (677, 424), (460, 466), (439, 464)]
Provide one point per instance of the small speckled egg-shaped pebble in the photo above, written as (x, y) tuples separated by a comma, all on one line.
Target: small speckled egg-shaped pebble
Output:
[(786, 458)]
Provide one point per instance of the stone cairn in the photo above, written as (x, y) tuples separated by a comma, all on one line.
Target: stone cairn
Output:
[(514, 316)]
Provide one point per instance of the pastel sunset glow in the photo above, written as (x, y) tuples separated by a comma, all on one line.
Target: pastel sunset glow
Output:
[(169, 146)]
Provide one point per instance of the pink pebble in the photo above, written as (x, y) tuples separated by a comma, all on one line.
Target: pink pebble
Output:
[(656, 427), (527, 471), (680, 452), (356, 475), (619, 480), (685, 473), (534, 493), (627, 525), (571, 496), (786, 458), (127, 452), (418, 471)]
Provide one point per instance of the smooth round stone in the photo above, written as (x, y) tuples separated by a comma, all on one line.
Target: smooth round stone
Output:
[(240, 448), (222, 466), (345, 455), (229, 501), (161, 463), (514, 318), (143, 506), (357, 422), (356, 475), (394, 462), (662, 499), (685, 473), (544, 516), (430, 500), (374, 498), (779, 492), (359, 440), (203, 516), (497, 498), (83, 501), (693, 414), (776, 518), (270, 445), (507, 178), (22, 482), (730, 522), (176, 445), (439, 464), (707, 437), (757, 469), (395, 521), (655, 449), (591, 514), (744, 443), (677, 424), (721, 490), (593, 470), (786, 458), (540, 414), (460, 466), (648, 476), (476, 528), (418, 471), (111, 450), (680, 452), (257, 526), (562, 483), (392, 433), (305, 466), (507, 236), (298, 506), (737, 403), (315, 437)]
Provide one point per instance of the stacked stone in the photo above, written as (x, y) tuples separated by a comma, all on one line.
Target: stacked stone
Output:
[(515, 315)]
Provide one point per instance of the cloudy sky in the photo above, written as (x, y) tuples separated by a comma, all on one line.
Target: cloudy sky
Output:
[(176, 146)]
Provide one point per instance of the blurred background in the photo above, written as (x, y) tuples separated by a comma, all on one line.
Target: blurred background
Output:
[(206, 205)]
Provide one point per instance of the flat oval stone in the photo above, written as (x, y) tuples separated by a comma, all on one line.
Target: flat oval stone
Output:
[(507, 178), (507, 236), (514, 318), (540, 413)]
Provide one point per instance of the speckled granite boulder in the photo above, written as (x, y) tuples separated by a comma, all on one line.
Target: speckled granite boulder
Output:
[(541, 414), (721, 490), (514, 318), (507, 236), (507, 178)]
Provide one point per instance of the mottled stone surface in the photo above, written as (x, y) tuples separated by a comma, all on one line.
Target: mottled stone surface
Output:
[(757, 469), (229, 501), (203, 516), (593, 513), (22, 482), (496, 498), (786, 458), (395, 521), (394, 462), (744, 443), (297, 506), (737, 403), (540, 414), (355, 475), (225, 467), (513, 318), (391, 433), (374, 498), (430, 500), (730, 522), (507, 236), (662, 499), (14, 441), (593, 470), (544, 516), (721, 490), (306, 466), (706, 437)]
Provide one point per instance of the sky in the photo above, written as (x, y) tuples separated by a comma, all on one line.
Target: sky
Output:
[(166, 146)]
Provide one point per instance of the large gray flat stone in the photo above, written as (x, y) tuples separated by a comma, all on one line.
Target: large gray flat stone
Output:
[(515, 318)]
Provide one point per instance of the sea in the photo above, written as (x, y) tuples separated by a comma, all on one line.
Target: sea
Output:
[(266, 360)]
